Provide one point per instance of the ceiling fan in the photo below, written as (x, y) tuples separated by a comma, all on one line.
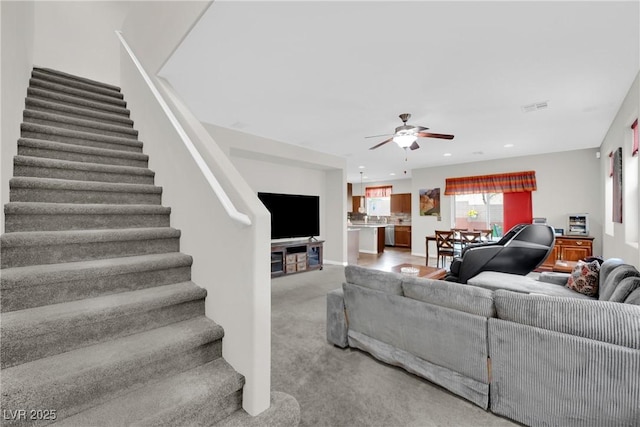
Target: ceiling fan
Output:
[(406, 135)]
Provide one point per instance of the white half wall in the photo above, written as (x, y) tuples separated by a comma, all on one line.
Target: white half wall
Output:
[(568, 182), (16, 41)]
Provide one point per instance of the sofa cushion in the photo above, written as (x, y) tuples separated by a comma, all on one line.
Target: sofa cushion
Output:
[(613, 278), (448, 338), (584, 278), (470, 299), (633, 298), (390, 283), (598, 320), (494, 280), (607, 267), (624, 289)]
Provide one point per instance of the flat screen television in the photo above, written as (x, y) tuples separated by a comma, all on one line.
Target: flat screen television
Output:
[(292, 215)]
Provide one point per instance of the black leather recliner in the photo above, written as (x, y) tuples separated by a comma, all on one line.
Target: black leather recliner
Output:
[(520, 251)]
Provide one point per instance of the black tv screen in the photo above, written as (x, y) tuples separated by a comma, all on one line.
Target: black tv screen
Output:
[(292, 215)]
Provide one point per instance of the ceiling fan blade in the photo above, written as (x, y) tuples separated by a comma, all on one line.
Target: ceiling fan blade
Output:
[(414, 146), (420, 128), (434, 135), (382, 143), (378, 136)]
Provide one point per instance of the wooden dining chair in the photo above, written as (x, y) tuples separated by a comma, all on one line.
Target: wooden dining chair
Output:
[(486, 234), (445, 245), (468, 237)]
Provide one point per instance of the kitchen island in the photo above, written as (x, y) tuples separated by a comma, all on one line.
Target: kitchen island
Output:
[(371, 237)]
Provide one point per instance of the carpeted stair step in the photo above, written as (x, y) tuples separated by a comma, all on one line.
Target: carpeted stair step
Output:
[(79, 171), (36, 104), (26, 189), (68, 136), (52, 247), (37, 285), (78, 93), (34, 216), (78, 153), (80, 379), (199, 397), (72, 77), (48, 330), (91, 126), (283, 412), (74, 101), (76, 83)]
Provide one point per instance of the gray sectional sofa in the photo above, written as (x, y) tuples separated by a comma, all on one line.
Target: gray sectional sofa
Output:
[(537, 359)]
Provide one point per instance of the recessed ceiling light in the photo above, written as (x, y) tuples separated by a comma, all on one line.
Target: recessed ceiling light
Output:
[(360, 167), (447, 154), (392, 174), (508, 145)]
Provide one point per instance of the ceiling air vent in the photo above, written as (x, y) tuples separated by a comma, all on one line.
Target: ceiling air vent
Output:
[(535, 106)]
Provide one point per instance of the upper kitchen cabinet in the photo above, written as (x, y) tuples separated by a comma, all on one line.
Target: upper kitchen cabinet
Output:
[(401, 203)]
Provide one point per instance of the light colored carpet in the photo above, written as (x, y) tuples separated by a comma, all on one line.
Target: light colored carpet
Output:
[(347, 387)]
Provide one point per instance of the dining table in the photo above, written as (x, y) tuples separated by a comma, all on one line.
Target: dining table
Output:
[(432, 238)]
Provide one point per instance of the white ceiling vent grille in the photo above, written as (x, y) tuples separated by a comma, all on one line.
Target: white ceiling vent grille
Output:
[(535, 106)]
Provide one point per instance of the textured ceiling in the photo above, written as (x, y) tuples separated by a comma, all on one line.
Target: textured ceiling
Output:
[(324, 75)]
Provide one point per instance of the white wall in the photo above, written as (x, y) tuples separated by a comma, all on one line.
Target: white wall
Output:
[(568, 182), (272, 166), (400, 186), (16, 39), (621, 239), (158, 27), (78, 37)]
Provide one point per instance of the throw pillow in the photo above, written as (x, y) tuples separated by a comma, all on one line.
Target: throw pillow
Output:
[(584, 278)]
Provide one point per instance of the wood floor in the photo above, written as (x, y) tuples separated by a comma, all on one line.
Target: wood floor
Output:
[(392, 256)]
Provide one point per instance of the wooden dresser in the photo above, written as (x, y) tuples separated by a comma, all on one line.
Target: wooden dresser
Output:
[(568, 248)]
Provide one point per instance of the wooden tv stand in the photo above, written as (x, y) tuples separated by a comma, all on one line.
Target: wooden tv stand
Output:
[(295, 256)]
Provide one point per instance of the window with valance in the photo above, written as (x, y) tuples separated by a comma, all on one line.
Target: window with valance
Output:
[(497, 201), (378, 200), (380, 191), (496, 183)]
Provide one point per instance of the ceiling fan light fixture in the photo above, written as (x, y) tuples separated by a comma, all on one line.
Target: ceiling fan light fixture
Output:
[(405, 140)]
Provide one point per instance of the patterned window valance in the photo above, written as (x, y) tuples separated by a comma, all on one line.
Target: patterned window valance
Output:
[(498, 183), (381, 191)]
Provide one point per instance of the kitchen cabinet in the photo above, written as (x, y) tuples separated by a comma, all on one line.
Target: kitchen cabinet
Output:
[(403, 236), (356, 203), (568, 248), (401, 203)]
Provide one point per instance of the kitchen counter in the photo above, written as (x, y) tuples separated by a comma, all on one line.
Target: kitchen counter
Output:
[(371, 237)]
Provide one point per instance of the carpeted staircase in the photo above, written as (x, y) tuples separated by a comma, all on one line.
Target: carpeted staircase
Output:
[(100, 323)]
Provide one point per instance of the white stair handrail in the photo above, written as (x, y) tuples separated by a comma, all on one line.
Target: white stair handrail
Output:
[(227, 204)]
